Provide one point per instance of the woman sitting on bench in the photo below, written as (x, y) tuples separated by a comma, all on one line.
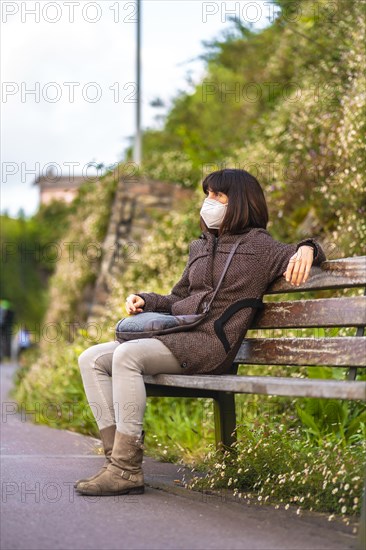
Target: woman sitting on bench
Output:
[(113, 372)]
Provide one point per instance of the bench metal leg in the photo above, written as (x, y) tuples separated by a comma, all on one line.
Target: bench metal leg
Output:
[(225, 419)]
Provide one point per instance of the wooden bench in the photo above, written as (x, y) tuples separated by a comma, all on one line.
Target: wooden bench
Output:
[(344, 351)]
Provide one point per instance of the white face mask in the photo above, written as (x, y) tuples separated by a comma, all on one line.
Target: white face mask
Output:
[(213, 212)]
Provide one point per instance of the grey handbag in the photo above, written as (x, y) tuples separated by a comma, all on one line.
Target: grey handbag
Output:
[(151, 323)]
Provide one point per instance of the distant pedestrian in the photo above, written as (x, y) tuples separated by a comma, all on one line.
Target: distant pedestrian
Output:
[(6, 325), (23, 340)]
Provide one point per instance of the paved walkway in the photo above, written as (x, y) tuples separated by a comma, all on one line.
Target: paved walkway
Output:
[(41, 510)]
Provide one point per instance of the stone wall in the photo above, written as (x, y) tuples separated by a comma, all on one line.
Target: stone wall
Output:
[(135, 206)]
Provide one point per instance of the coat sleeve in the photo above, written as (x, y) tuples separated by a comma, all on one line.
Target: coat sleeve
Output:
[(276, 255), (163, 303)]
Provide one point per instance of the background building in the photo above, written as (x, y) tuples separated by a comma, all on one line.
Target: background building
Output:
[(53, 186)]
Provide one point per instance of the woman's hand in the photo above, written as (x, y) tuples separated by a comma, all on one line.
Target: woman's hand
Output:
[(299, 266), (134, 304)]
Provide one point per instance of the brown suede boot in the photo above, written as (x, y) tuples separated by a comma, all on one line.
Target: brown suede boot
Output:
[(107, 437), (124, 474)]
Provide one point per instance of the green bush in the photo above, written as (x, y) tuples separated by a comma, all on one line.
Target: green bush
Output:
[(272, 462)]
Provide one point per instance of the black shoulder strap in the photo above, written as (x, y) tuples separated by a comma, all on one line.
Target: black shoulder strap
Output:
[(232, 251)]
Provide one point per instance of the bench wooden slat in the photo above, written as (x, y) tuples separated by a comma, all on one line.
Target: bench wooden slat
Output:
[(341, 273), (323, 312), (346, 351), (267, 385)]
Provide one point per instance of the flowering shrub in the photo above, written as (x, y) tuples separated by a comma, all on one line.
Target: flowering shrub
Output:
[(174, 166), (271, 463)]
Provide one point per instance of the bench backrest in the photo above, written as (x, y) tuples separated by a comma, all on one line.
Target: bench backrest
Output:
[(344, 311)]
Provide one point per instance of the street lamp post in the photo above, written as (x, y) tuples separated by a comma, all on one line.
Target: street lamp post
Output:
[(137, 153)]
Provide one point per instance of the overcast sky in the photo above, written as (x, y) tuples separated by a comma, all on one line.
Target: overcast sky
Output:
[(87, 49)]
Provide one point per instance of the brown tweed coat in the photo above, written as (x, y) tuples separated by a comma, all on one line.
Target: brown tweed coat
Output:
[(211, 347)]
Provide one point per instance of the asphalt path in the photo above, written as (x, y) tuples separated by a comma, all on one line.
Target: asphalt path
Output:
[(40, 509)]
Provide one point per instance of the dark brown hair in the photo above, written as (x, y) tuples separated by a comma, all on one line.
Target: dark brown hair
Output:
[(247, 205)]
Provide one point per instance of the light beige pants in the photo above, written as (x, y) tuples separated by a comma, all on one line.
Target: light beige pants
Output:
[(112, 375)]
